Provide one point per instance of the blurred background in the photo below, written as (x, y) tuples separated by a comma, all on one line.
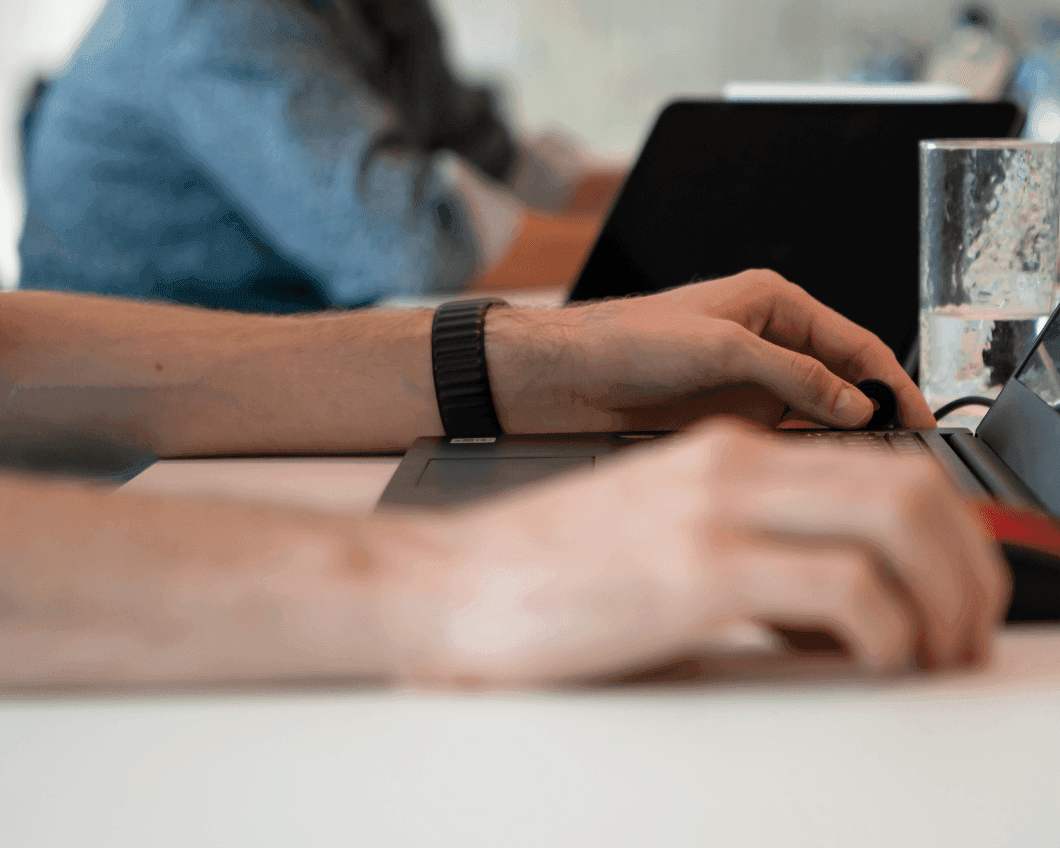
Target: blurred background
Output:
[(600, 69)]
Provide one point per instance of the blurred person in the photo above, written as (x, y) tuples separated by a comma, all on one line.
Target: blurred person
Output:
[(979, 55), (289, 155), (577, 578)]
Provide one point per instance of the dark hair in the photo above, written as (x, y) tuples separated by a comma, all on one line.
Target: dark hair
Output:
[(396, 47)]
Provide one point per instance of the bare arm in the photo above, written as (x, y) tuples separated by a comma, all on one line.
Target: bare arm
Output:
[(97, 587), (593, 575), (187, 381)]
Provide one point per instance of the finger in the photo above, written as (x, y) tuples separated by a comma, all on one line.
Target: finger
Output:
[(992, 576), (902, 506), (905, 509), (801, 382), (836, 590), (799, 322), (943, 531)]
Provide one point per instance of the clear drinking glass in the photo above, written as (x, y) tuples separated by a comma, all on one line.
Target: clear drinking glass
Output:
[(989, 231)]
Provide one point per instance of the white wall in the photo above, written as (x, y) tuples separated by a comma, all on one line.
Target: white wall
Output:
[(599, 68), (603, 67), (34, 35)]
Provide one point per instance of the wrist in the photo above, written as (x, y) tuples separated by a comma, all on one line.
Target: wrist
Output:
[(451, 598), (297, 602), (540, 371), (413, 559)]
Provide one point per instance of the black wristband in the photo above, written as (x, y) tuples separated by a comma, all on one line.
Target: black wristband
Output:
[(461, 379)]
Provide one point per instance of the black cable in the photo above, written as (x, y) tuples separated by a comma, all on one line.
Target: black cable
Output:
[(970, 400)]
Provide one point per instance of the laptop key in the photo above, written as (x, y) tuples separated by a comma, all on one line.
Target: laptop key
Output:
[(905, 442), (886, 441), (860, 439)]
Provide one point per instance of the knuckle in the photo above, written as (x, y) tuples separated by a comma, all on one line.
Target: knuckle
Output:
[(711, 524), (771, 283), (732, 338), (872, 355), (883, 351), (727, 347), (769, 277)]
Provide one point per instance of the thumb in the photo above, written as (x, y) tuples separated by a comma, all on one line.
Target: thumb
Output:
[(805, 384)]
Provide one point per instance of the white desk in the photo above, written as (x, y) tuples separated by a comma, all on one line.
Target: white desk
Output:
[(925, 761), (333, 483)]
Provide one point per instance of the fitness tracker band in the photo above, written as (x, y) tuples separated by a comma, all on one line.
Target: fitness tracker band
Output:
[(458, 359)]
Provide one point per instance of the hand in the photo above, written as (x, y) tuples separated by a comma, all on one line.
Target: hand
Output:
[(750, 345), (644, 559)]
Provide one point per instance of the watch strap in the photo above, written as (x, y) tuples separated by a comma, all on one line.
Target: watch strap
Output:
[(461, 378)]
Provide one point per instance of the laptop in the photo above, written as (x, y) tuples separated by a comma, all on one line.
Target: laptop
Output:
[(1011, 457), (724, 186), (826, 194), (814, 191)]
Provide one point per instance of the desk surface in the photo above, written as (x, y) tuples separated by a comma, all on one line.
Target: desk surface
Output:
[(760, 753), (335, 484)]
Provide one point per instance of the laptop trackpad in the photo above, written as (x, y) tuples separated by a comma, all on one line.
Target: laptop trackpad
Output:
[(465, 479)]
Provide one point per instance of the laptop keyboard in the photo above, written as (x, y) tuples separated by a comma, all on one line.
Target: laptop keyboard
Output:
[(887, 441)]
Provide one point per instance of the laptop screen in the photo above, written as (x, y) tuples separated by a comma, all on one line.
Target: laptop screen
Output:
[(1039, 371), (824, 193), (1023, 425)]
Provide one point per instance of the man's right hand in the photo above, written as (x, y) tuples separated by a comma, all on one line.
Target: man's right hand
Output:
[(751, 345), (646, 558)]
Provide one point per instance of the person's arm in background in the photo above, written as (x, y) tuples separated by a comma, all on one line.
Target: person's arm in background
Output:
[(537, 202), (528, 246), (556, 175), (522, 247), (538, 228)]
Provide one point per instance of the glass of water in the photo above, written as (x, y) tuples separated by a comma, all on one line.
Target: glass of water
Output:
[(989, 231)]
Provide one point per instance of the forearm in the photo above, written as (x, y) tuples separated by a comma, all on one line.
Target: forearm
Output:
[(187, 381), (97, 588)]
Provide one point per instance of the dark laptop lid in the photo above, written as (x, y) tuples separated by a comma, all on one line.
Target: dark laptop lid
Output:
[(1023, 425), (824, 193)]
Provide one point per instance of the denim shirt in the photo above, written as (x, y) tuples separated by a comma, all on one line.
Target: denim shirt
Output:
[(220, 152)]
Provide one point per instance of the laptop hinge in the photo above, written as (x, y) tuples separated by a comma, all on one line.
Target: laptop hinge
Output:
[(992, 472)]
